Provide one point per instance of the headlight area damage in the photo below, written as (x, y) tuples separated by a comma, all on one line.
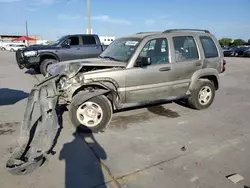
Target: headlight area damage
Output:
[(35, 140)]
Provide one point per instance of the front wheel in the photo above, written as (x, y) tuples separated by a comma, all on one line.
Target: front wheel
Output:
[(44, 65), (202, 96), (93, 114)]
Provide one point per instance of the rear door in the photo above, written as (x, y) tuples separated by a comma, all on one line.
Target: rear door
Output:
[(90, 46), (186, 61)]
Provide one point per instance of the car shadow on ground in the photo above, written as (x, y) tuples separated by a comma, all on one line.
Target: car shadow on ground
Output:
[(11, 96), (31, 72)]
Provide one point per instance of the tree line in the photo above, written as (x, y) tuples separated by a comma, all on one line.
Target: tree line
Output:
[(232, 42)]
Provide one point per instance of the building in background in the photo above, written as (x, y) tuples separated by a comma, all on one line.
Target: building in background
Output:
[(106, 40), (9, 38)]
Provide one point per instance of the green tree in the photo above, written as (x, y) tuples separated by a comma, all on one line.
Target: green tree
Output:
[(239, 42), (248, 41), (225, 41)]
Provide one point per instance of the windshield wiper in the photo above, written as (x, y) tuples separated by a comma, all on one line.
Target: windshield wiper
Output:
[(109, 57)]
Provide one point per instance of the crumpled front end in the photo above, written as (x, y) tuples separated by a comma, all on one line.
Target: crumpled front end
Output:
[(35, 140)]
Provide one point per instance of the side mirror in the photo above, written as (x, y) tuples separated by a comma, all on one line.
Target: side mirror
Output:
[(143, 61)]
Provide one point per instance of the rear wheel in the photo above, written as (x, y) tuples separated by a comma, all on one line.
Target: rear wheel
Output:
[(12, 50), (92, 115), (202, 96), (44, 65), (3, 49)]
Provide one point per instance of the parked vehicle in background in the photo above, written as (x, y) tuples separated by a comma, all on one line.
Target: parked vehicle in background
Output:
[(15, 47), (235, 51), (246, 53), (68, 47), (106, 40), (4, 44), (182, 64)]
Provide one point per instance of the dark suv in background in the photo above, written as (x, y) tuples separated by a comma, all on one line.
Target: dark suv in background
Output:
[(68, 47)]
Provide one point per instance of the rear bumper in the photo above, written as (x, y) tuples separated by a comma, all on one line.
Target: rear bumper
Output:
[(26, 62)]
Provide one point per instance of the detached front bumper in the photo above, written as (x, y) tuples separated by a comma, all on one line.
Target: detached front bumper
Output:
[(35, 140), (26, 62)]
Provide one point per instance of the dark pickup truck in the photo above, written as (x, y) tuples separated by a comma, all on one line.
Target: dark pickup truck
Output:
[(68, 47)]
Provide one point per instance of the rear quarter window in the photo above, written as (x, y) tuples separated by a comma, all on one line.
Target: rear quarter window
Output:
[(209, 47)]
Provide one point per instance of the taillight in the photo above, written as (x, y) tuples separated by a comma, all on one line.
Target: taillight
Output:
[(223, 68)]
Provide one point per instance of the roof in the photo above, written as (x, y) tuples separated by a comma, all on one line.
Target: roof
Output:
[(142, 34), (176, 31)]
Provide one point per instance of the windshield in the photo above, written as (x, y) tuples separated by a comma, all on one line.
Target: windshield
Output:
[(55, 43), (121, 49)]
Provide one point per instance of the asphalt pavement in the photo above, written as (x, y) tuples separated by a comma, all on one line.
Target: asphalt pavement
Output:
[(161, 145)]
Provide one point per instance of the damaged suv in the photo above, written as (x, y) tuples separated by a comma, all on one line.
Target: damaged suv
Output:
[(147, 66)]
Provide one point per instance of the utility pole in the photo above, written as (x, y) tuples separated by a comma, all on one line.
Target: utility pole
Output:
[(27, 34), (88, 18)]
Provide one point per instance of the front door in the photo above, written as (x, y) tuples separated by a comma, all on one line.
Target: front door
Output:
[(154, 81), (72, 51)]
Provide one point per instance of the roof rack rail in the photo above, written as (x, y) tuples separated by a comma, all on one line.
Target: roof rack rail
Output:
[(147, 32), (176, 30)]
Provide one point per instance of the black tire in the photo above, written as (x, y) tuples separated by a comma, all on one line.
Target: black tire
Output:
[(12, 50), (44, 65), (193, 99), (3, 49), (37, 70), (102, 101)]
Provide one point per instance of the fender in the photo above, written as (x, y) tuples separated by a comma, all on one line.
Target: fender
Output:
[(88, 94), (107, 84), (49, 54), (201, 73)]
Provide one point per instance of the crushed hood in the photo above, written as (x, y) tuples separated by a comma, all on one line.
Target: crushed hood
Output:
[(96, 62), (58, 68)]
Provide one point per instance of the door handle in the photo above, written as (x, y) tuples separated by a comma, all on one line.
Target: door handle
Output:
[(78, 48), (165, 69)]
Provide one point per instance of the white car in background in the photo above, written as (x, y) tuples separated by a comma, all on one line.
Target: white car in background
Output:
[(15, 47)]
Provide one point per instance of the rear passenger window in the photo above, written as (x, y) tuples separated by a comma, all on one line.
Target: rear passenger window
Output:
[(185, 48), (88, 40), (209, 47)]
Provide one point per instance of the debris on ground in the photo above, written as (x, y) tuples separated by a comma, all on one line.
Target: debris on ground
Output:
[(235, 178), (197, 163), (183, 148)]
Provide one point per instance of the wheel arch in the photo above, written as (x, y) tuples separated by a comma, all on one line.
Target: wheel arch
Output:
[(208, 74), (94, 89), (48, 55)]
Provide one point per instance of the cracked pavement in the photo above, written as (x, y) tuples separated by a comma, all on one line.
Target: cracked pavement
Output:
[(163, 145)]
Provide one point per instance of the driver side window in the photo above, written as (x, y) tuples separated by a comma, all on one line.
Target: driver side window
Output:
[(73, 41), (156, 50)]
